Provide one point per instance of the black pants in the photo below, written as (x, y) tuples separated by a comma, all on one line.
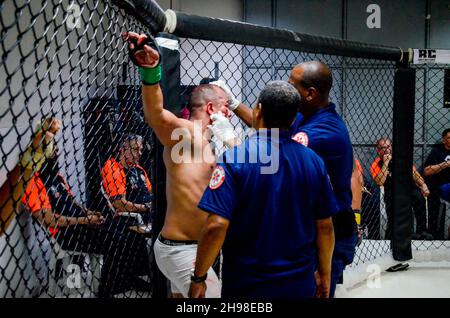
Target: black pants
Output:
[(124, 253), (436, 215), (418, 211)]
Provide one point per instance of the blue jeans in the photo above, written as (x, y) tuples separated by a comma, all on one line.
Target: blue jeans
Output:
[(344, 251)]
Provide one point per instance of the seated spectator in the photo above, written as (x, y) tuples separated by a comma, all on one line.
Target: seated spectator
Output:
[(381, 172), (125, 182), (437, 173), (31, 160), (76, 228)]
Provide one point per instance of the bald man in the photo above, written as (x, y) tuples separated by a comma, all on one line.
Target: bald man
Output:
[(319, 127), (189, 168)]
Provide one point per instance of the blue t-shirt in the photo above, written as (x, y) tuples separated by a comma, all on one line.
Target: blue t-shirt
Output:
[(269, 249), (325, 133)]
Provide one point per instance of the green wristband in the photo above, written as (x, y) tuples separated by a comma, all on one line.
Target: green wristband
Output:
[(150, 76)]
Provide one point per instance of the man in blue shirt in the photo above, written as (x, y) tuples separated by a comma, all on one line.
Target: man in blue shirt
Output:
[(319, 127), (274, 224)]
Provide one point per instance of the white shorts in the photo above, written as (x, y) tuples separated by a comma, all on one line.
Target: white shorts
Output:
[(176, 262)]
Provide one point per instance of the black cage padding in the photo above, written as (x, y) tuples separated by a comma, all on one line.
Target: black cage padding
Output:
[(403, 138)]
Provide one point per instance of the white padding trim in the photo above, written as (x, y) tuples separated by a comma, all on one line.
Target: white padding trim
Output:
[(171, 21), (170, 44)]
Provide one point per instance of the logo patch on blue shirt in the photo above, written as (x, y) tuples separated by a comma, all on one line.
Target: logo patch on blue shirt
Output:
[(301, 138), (217, 178)]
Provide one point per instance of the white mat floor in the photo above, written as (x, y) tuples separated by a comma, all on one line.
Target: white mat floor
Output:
[(421, 280)]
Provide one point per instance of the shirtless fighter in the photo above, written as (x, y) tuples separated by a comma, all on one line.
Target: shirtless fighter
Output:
[(176, 247)]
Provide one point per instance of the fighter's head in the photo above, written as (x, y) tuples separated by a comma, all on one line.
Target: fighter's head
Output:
[(131, 149), (313, 81), (277, 106), (208, 99)]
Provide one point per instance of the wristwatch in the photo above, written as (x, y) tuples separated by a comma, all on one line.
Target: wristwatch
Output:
[(197, 279)]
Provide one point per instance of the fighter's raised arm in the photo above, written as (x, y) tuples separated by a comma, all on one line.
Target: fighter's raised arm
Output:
[(145, 54)]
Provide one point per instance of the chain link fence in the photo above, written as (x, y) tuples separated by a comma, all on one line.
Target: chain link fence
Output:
[(432, 119), (63, 231), (362, 90), (66, 229)]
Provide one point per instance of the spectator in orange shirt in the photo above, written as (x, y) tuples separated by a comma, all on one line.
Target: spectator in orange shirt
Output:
[(76, 228), (380, 171), (125, 182)]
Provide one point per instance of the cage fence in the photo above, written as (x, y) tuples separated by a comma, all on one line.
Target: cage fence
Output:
[(432, 119), (65, 60)]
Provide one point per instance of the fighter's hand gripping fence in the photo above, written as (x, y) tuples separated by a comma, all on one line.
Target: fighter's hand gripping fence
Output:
[(145, 53)]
